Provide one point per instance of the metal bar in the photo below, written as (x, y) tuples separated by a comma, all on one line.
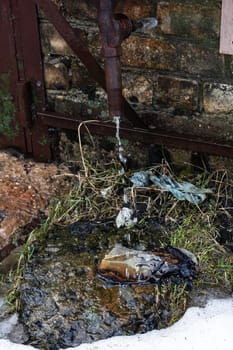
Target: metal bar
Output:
[(9, 70), (144, 136), (24, 104), (30, 73), (73, 38), (30, 47)]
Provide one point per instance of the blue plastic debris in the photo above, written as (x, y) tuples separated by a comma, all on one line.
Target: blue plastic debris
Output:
[(181, 190), (140, 179)]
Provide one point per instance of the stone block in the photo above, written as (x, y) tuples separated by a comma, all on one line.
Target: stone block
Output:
[(193, 20), (56, 76), (52, 42), (138, 88), (135, 8), (148, 53), (87, 9), (217, 98), (178, 93), (199, 58), (79, 75), (79, 103), (82, 9)]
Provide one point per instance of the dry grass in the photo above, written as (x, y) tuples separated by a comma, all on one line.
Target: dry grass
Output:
[(97, 193)]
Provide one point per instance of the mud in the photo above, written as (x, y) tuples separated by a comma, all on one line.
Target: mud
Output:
[(65, 303)]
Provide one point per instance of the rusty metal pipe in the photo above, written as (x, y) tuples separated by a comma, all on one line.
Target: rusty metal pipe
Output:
[(73, 38), (114, 86), (113, 29)]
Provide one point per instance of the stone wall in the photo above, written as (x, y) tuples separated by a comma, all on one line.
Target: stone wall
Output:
[(174, 71)]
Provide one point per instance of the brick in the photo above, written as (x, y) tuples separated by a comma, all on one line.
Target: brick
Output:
[(189, 20), (178, 93), (217, 98)]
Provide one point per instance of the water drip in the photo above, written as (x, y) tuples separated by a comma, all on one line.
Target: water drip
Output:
[(127, 273), (122, 158), (128, 237), (126, 214), (125, 196)]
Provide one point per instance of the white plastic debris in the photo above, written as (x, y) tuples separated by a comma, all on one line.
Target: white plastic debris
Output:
[(126, 218), (106, 192)]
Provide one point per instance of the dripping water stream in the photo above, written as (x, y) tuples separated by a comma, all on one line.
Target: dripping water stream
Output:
[(122, 158), (126, 215)]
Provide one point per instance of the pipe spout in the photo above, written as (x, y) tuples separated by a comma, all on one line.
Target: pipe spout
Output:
[(144, 24), (114, 28)]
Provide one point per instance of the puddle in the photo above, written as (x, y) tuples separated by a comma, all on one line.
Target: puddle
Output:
[(64, 301)]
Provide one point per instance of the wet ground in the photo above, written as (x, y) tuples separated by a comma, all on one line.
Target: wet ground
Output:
[(64, 302)]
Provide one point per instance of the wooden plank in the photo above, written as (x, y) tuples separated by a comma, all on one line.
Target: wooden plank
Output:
[(226, 32)]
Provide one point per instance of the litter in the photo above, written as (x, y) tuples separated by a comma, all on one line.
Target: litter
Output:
[(140, 179), (126, 218), (181, 190), (122, 264)]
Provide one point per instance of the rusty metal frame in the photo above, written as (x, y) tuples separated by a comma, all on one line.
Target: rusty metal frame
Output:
[(161, 137), (23, 53), (21, 23)]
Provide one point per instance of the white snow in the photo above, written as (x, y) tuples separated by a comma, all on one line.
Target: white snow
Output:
[(205, 328)]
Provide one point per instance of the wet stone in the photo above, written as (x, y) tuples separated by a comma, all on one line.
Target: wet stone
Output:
[(66, 303)]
